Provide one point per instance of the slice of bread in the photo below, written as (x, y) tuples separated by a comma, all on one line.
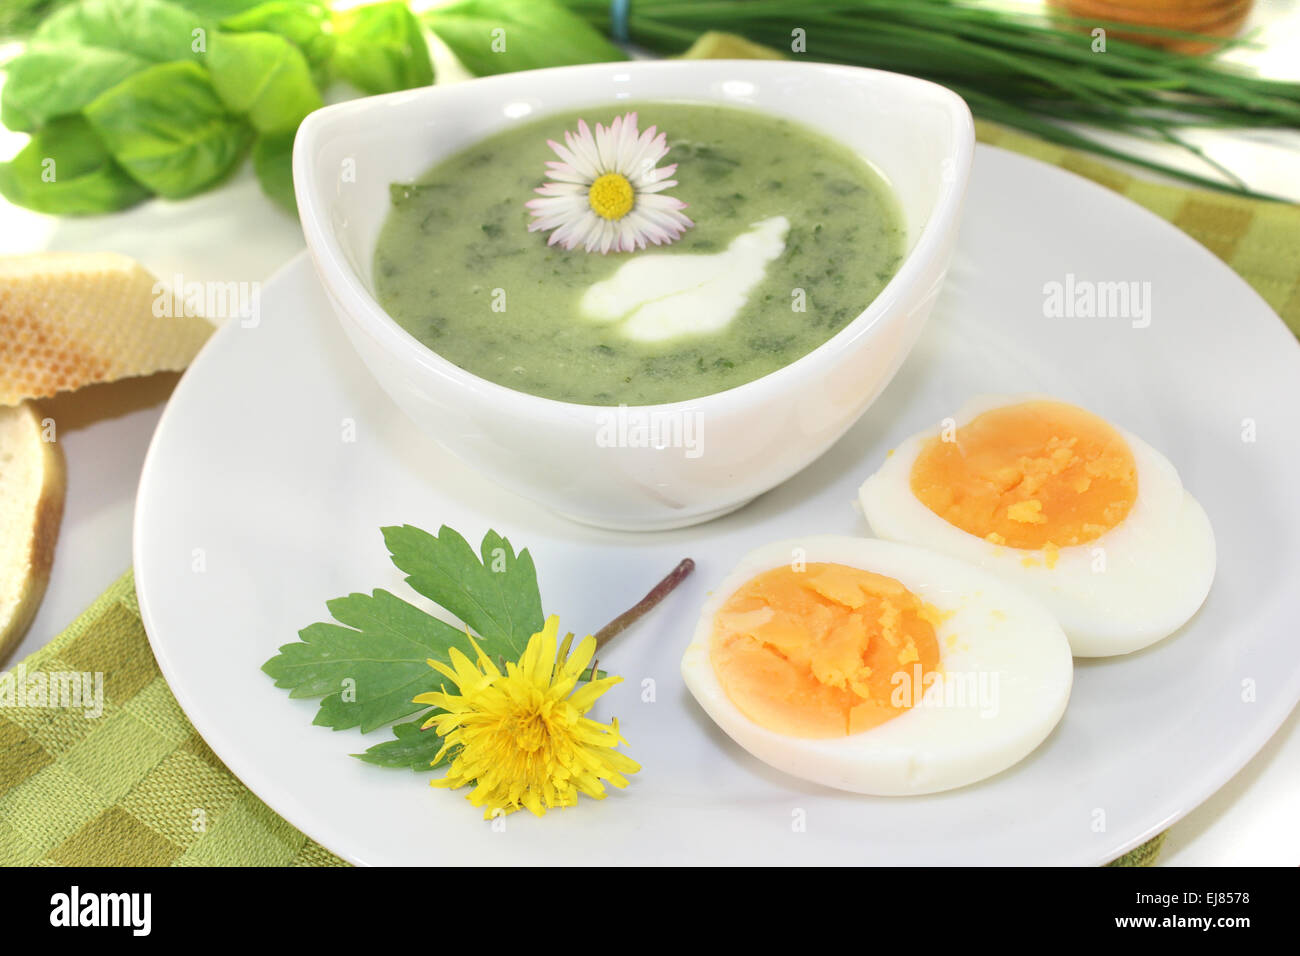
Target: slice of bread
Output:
[(32, 485), (69, 319)]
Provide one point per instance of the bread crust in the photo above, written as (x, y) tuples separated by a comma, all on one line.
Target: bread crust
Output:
[(74, 319), (47, 518)]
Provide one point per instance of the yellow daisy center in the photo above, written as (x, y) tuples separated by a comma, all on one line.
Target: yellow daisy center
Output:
[(611, 196)]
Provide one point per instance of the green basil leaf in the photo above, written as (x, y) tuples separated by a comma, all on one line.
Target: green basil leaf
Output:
[(84, 49), (167, 127), (18, 18), (218, 9), (264, 77), (65, 170), (153, 30), (46, 81), (502, 36), (302, 22), (273, 163), (381, 48)]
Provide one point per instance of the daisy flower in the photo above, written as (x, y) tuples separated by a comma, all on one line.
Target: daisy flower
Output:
[(606, 193), (521, 736)]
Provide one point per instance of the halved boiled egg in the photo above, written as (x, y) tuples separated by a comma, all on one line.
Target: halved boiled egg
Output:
[(1083, 515), (877, 667)]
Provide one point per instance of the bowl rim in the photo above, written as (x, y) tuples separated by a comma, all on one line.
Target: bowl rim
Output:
[(369, 317)]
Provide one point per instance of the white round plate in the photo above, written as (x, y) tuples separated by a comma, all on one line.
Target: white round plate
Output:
[(254, 509)]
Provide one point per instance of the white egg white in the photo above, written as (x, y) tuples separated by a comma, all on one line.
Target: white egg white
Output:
[(1006, 680), (1127, 589)]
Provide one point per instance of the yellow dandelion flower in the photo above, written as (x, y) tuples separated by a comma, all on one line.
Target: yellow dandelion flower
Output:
[(521, 737)]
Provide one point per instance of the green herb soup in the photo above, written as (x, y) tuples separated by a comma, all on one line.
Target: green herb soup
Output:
[(457, 267)]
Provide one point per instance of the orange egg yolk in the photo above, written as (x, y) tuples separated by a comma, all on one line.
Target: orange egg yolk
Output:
[(1035, 475), (815, 652)]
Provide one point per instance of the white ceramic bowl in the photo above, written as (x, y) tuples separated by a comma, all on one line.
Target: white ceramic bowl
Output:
[(656, 466)]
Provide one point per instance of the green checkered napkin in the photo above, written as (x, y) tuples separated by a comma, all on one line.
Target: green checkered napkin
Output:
[(135, 786), (138, 786)]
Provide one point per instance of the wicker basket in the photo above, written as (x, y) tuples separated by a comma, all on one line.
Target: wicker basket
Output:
[(1212, 18)]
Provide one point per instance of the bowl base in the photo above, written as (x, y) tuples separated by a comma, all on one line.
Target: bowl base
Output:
[(656, 524)]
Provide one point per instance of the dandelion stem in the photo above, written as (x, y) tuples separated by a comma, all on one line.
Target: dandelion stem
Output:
[(646, 604)]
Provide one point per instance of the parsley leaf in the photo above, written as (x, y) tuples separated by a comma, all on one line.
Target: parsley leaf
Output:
[(369, 664), (368, 670), (412, 748), (497, 598)]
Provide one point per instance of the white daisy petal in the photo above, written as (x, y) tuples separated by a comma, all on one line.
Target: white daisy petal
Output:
[(582, 149), (571, 163), (641, 159), (653, 148), (558, 212), (627, 148), (604, 240), (659, 201), (561, 189), (640, 225), (580, 229), (601, 142), (657, 187), (564, 173), (658, 177)]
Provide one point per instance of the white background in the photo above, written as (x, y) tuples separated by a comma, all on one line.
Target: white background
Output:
[(233, 233)]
